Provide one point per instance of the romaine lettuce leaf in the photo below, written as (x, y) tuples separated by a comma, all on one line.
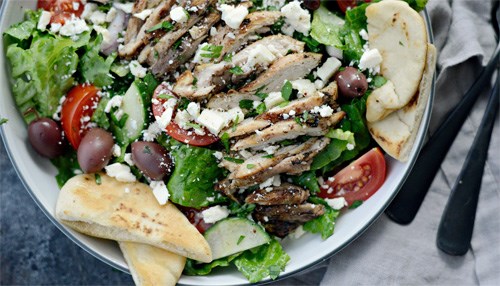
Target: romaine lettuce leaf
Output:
[(307, 180), (325, 27), (329, 154), (93, 67), (192, 181), (196, 268), (263, 261), (325, 224)]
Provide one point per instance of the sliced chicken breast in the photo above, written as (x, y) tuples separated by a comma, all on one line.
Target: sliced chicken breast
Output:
[(285, 194)]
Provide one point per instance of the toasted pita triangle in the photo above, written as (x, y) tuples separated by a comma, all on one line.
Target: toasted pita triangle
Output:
[(128, 212), (150, 265), (397, 132)]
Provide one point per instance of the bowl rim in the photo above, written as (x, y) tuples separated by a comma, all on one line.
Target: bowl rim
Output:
[(424, 125)]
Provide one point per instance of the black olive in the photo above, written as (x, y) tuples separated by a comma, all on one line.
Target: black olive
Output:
[(351, 82), (95, 150), (46, 137), (152, 159)]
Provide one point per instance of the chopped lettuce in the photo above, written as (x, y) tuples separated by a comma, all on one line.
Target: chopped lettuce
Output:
[(192, 181), (355, 21), (94, 68), (196, 268), (325, 224), (418, 5), (325, 27), (67, 167), (307, 180), (263, 261), (331, 153)]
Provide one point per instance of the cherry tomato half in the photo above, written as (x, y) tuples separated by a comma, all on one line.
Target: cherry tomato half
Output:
[(345, 4), (358, 181), (178, 133), (61, 9), (81, 102), (195, 218)]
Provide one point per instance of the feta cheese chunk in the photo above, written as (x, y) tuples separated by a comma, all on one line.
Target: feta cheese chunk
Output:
[(233, 16), (115, 101), (370, 59), (324, 110), (215, 121), (179, 15), (121, 172), (296, 18), (334, 52), (98, 17), (304, 87), (260, 55), (160, 191), (273, 99), (328, 69), (215, 213), (152, 132), (337, 203), (125, 7), (88, 9), (144, 14), (137, 69), (193, 109), (44, 20), (73, 27)]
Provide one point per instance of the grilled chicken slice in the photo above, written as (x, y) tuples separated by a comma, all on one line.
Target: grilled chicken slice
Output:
[(213, 77), (332, 93), (255, 23), (288, 129), (287, 159), (279, 228), (170, 61), (231, 99), (290, 67), (289, 213), (286, 194), (248, 126), (299, 106), (163, 42), (136, 35)]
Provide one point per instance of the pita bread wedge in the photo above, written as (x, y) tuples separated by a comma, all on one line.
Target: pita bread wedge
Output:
[(399, 34), (396, 133), (128, 212), (150, 265)]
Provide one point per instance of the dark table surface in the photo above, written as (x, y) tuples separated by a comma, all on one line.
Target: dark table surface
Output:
[(34, 252)]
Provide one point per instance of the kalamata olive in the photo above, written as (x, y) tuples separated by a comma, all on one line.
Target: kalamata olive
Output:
[(45, 136), (152, 159), (312, 4), (95, 150), (351, 82)]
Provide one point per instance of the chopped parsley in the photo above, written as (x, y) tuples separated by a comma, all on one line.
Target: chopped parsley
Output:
[(246, 104), (228, 57), (3, 120), (270, 156), (236, 70), (98, 179), (225, 141), (236, 121), (177, 44), (234, 160), (286, 90), (261, 108), (240, 239), (165, 25), (193, 125), (211, 51), (356, 204), (250, 166)]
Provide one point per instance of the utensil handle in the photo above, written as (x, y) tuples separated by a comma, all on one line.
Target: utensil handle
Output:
[(406, 204), (457, 223)]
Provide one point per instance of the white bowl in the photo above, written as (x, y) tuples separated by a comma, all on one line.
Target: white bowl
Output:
[(37, 175)]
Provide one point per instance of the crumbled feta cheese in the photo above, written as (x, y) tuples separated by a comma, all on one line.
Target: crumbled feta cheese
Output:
[(125, 7), (128, 159), (334, 52), (267, 183), (245, 154), (179, 15), (370, 59), (117, 151), (73, 27), (121, 172), (336, 203), (277, 181), (363, 34), (195, 31), (218, 155), (193, 109), (260, 55), (215, 213), (160, 191), (98, 17), (137, 70), (76, 6), (55, 27), (88, 9), (44, 20), (297, 18), (215, 121), (106, 37), (329, 68), (166, 116), (144, 14), (182, 118), (319, 84), (152, 132), (213, 31), (273, 3), (270, 149), (298, 232), (324, 110), (273, 99), (115, 101), (231, 35), (233, 16), (304, 87)]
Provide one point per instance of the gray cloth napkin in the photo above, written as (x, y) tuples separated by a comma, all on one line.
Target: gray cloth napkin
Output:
[(391, 254)]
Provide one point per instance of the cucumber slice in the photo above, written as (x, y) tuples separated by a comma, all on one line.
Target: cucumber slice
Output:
[(233, 235), (134, 106)]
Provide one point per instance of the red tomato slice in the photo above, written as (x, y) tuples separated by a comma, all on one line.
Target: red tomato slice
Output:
[(345, 4), (195, 218), (61, 9), (178, 133), (358, 181), (80, 103)]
